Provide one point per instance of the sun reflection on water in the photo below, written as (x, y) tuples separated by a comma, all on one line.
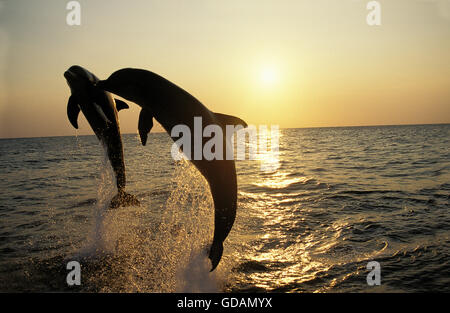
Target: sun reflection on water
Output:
[(280, 180)]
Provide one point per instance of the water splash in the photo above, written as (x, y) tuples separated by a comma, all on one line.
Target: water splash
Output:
[(186, 229), (195, 276), (106, 189), (149, 249)]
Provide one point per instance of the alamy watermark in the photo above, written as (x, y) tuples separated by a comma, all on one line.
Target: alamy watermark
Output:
[(73, 278), (374, 16), (73, 17), (220, 146), (374, 276)]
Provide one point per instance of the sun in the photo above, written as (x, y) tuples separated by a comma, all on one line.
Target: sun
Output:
[(269, 75)]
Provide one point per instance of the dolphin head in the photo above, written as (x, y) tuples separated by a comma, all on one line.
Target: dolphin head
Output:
[(127, 83), (86, 95), (77, 77)]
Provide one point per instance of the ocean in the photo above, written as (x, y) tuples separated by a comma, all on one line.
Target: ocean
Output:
[(334, 200)]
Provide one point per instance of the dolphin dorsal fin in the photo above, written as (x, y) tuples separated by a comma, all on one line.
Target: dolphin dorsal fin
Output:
[(120, 105), (73, 109), (145, 124), (230, 120)]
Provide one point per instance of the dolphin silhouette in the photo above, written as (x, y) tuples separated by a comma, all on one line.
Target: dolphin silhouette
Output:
[(100, 110), (171, 106)]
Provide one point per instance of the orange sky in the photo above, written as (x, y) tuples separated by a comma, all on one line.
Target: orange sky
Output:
[(292, 63)]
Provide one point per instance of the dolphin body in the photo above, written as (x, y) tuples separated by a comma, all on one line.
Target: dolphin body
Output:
[(100, 110), (170, 106)]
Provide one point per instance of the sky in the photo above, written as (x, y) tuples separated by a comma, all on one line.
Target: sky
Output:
[(314, 63)]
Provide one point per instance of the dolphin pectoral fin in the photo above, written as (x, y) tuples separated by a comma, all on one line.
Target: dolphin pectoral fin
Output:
[(230, 120), (145, 124), (120, 105), (73, 109), (215, 254)]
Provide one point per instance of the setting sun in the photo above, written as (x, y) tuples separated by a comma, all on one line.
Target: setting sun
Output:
[(269, 75)]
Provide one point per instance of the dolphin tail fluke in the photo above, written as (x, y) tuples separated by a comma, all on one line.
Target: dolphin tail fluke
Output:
[(215, 254), (124, 199)]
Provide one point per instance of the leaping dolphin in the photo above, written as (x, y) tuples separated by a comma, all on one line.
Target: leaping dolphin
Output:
[(100, 110), (170, 106)]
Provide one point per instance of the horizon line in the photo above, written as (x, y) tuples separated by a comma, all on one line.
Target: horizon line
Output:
[(305, 127)]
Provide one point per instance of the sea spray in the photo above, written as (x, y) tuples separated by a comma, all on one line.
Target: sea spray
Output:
[(170, 255), (192, 223), (152, 248), (195, 276), (105, 191), (107, 188)]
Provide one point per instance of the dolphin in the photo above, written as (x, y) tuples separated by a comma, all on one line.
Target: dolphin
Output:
[(100, 110), (170, 105)]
